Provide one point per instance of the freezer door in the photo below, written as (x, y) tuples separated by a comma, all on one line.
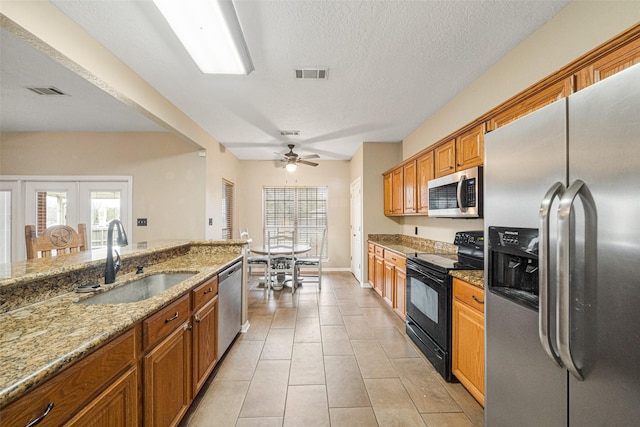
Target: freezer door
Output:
[(523, 160), (604, 152)]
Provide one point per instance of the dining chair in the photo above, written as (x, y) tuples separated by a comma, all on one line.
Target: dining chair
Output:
[(254, 260), (57, 239), (310, 267), (281, 259)]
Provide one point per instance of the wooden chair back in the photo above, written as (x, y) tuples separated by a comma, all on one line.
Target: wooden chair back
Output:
[(58, 239)]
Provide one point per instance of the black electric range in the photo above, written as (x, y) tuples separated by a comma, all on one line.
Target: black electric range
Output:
[(429, 297)]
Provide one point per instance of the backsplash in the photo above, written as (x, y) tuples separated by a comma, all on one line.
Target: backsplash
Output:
[(420, 244)]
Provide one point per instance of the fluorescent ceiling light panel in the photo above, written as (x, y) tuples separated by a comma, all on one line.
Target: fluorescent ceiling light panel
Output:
[(210, 32)]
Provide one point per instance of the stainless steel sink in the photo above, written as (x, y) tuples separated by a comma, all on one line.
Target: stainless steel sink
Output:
[(138, 290)]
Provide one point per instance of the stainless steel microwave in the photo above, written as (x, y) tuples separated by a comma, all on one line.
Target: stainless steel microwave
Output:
[(458, 195)]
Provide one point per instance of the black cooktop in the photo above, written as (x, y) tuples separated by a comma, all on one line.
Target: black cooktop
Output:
[(470, 254), (442, 262)]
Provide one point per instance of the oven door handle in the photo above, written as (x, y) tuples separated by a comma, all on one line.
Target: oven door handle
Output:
[(426, 274)]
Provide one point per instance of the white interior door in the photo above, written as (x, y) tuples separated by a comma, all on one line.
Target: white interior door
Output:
[(50, 203), (10, 221), (100, 203), (356, 229)]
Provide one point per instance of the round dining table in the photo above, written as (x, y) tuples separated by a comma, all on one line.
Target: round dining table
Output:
[(279, 250)]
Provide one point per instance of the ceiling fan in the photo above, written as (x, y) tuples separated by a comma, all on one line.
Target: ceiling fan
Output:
[(291, 159)]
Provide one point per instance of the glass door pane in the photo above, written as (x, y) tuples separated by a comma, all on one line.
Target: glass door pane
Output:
[(105, 207), (51, 203), (5, 226)]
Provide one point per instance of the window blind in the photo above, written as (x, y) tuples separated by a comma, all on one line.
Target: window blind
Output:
[(227, 210)]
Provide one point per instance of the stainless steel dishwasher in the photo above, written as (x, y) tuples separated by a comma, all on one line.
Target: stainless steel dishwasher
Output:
[(230, 306)]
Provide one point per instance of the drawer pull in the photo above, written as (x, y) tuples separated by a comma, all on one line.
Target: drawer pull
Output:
[(208, 291), (41, 417), (198, 319), (175, 316), (477, 300)]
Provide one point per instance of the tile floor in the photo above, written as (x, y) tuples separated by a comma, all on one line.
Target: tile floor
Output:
[(334, 357)]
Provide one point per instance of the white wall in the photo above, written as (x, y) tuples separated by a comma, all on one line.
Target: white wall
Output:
[(334, 174)]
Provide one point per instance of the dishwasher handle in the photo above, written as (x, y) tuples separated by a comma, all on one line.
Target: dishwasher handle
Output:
[(229, 272)]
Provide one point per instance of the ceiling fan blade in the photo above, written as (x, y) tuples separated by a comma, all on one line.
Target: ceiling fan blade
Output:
[(310, 156), (304, 162)]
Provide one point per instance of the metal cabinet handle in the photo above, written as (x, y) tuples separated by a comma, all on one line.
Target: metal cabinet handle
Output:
[(198, 319), (544, 315), (41, 417), (566, 237), (175, 316), (477, 300), (208, 291), (459, 193)]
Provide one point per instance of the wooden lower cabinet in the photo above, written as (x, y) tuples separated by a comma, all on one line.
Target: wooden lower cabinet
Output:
[(400, 305), (468, 337), (205, 343), (388, 289), (371, 268), (167, 379), (116, 406)]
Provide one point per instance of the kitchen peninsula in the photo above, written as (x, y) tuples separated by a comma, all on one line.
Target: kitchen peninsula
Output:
[(46, 332)]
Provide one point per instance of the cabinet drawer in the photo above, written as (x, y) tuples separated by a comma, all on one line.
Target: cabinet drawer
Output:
[(205, 292), (379, 251), (69, 391), (397, 260), (371, 248), (469, 294), (163, 322)]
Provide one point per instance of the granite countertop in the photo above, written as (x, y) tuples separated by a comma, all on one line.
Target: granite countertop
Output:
[(405, 245), (40, 339), (474, 277)]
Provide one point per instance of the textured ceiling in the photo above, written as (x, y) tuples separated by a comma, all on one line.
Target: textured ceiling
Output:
[(392, 64)]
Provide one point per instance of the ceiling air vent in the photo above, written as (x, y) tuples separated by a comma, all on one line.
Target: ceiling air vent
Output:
[(321, 73), (47, 90), (290, 132)]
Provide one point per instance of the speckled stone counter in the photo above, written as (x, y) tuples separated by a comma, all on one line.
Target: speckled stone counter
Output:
[(474, 277), (405, 245), (39, 339)]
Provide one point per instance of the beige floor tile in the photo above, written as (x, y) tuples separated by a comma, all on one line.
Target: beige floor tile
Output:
[(446, 420), (284, 317), (469, 405), (391, 403), (395, 344), (306, 406), (278, 345), (350, 417), (240, 362), (372, 360), (426, 391), (327, 299), (267, 392), (335, 341), (358, 328), (220, 404), (378, 317), (259, 327), (330, 315), (345, 386), (349, 307), (307, 364), (307, 308), (258, 422), (308, 330)]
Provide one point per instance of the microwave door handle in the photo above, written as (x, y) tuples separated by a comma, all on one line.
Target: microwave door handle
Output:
[(544, 315), (566, 237), (459, 193)]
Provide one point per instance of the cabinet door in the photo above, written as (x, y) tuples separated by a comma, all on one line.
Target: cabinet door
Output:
[(401, 292), (468, 348), (205, 343), (445, 158), (409, 171), (389, 276), (388, 194), (424, 166), (470, 148), (167, 379), (378, 282), (397, 191), (116, 406), (540, 99), (371, 269), (611, 64)]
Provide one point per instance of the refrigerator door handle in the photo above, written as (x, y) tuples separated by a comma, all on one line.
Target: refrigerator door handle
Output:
[(544, 315), (459, 193), (566, 237)]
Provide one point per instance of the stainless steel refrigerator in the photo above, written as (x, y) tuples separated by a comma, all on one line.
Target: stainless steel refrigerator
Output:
[(583, 155)]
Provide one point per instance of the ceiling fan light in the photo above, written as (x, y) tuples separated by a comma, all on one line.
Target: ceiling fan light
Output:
[(291, 167), (211, 34)]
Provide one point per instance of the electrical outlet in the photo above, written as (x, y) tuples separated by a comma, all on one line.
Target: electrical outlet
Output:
[(142, 222), (210, 221)]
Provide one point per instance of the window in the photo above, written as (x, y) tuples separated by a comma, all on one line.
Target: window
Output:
[(301, 209), (227, 210)]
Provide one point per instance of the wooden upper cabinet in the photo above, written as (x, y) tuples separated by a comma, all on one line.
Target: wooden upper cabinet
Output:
[(470, 148), (540, 99), (388, 194), (397, 191), (409, 170), (444, 157), (424, 165), (609, 65)]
